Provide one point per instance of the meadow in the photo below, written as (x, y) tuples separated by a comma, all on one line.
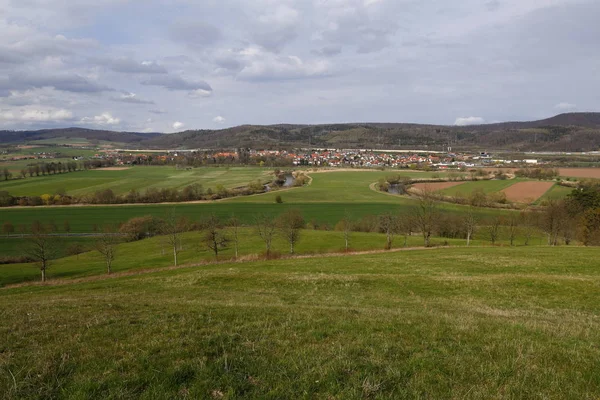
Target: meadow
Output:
[(135, 178), (458, 323), (329, 197)]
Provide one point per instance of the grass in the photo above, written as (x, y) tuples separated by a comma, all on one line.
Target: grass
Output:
[(556, 192), (449, 323), (138, 178), (156, 253), (330, 196)]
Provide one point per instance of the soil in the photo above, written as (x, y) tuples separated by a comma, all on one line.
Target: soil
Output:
[(527, 192)]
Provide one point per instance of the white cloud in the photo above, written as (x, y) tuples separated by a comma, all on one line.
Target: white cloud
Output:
[(36, 115), (463, 121), (219, 119), (270, 67), (565, 106), (131, 98), (199, 93), (102, 119), (178, 125)]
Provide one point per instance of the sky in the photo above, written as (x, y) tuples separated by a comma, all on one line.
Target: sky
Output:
[(173, 65)]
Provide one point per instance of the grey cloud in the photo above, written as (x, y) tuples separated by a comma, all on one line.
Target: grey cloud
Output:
[(195, 34), (158, 112), (63, 82), (171, 82), (131, 98), (130, 66), (329, 51)]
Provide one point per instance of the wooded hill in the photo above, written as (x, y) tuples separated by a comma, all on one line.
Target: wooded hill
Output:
[(569, 132)]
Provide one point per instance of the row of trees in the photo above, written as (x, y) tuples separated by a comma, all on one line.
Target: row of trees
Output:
[(59, 167)]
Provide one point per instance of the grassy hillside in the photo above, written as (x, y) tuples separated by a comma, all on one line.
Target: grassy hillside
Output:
[(452, 323)]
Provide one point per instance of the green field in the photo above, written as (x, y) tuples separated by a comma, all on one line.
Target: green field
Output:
[(139, 178), (556, 192), (330, 196), (155, 252), (478, 323)]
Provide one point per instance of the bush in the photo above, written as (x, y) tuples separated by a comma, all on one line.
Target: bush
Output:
[(278, 199)]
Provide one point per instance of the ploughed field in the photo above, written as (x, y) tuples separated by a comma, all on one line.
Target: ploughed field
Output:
[(460, 323)]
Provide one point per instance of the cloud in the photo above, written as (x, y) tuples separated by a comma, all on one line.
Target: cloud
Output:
[(219, 119), (199, 93), (131, 98), (102, 119), (178, 125), (565, 106), (130, 66), (172, 82), (464, 121), (67, 82), (268, 67), (277, 27), (158, 111), (195, 34), (31, 114)]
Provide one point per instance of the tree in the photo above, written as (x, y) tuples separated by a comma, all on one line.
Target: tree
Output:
[(345, 226), (75, 249), (388, 223), (41, 248), (553, 219), (494, 229), (172, 228), (8, 228), (7, 174), (67, 226), (214, 238), (234, 223), (106, 244), (470, 224), (426, 214), (290, 223), (512, 222), (265, 228)]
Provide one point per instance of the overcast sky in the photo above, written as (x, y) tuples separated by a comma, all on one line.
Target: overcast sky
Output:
[(172, 65)]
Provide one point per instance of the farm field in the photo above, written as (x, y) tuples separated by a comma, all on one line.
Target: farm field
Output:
[(486, 186), (556, 192), (436, 186), (580, 172), (527, 192), (138, 178), (327, 200), (449, 323)]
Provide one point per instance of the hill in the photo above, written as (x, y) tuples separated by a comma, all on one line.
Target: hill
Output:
[(570, 132)]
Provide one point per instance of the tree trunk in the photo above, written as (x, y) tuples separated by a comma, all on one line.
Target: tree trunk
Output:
[(175, 253), (44, 273), (468, 238), (108, 267), (291, 247)]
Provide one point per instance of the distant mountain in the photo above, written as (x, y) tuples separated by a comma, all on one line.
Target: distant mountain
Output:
[(71, 133), (565, 132)]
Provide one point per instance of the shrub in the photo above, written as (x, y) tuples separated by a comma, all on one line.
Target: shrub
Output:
[(278, 199)]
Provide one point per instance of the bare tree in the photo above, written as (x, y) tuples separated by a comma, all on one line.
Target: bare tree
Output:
[(345, 226), (494, 229), (265, 228), (67, 226), (512, 222), (106, 244), (41, 248), (388, 223), (173, 228), (234, 223), (214, 238), (8, 228), (470, 224), (530, 221), (426, 214), (552, 220), (290, 223)]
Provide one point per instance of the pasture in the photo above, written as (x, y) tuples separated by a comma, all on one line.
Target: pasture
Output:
[(135, 178), (445, 323), (329, 197)]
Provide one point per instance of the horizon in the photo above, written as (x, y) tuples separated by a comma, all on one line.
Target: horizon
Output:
[(115, 66)]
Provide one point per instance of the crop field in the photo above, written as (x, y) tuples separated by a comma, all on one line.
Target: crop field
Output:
[(445, 323), (138, 178), (580, 172), (486, 186), (328, 199), (556, 192), (527, 192), (436, 186)]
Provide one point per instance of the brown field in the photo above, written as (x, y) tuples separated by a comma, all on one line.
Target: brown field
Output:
[(435, 186), (112, 169), (527, 192), (580, 172)]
